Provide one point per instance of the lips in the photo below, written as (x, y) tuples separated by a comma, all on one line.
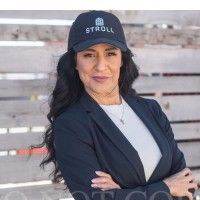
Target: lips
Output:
[(100, 79)]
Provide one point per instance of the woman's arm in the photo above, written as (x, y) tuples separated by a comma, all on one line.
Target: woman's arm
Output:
[(77, 162), (178, 159)]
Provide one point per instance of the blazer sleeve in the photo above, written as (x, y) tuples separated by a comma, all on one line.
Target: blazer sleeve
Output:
[(78, 162), (178, 159)]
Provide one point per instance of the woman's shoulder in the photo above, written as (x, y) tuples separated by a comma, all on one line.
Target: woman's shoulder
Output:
[(73, 120), (73, 117), (149, 102), (152, 103), (74, 113)]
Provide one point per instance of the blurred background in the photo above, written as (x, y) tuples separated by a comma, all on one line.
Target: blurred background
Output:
[(166, 45)]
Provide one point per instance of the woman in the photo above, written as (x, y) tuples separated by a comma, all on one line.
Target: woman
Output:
[(105, 140)]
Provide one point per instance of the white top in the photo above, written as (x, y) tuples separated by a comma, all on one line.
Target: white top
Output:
[(137, 134)]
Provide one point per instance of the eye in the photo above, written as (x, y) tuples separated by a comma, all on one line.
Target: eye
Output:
[(112, 54), (88, 55)]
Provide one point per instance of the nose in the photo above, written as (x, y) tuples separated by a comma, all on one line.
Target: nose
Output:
[(101, 64)]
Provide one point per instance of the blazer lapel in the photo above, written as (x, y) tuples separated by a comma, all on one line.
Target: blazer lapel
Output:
[(117, 137), (114, 134), (146, 116)]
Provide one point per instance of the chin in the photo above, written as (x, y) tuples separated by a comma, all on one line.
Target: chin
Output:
[(102, 90)]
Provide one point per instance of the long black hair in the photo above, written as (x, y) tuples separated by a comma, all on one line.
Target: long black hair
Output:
[(68, 90)]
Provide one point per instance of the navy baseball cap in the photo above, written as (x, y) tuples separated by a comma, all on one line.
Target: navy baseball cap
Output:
[(96, 27)]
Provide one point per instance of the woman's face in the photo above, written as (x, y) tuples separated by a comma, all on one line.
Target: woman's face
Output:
[(99, 68)]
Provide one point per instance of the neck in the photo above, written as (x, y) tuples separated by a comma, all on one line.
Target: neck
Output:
[(109, 98)]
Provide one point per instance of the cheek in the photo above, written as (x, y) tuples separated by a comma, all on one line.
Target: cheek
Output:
[(116, 75), (116, 70), (84, 72), (117, 62)]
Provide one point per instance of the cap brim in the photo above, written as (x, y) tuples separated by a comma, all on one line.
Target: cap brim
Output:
[(84, 45)]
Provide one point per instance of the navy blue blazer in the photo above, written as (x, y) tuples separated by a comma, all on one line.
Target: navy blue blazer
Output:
[(86, 140)]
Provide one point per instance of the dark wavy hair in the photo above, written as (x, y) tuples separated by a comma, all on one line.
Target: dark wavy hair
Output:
[(68, 90)]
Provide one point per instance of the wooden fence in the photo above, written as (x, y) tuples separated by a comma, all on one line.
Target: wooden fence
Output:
[(166, 45)]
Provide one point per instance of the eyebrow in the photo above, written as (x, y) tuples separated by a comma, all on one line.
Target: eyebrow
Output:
[(108, 49)]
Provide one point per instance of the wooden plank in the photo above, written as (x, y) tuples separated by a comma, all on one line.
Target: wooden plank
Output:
[(19, 88), (27, 113), (10, 141), (38, 14), (33, 32), (185, 18), (22, 88), (170, 60), (22, 120), (177, 84), (160, 60), (20, 168), (19, 141), (22, 113), (52, 191), (134, 35), (23, 58), (180, 107), (185, 131), (191, 152), (24, 107)]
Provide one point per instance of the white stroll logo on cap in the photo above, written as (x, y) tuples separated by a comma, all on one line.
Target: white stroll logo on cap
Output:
[(99, 21), (99, 26)]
